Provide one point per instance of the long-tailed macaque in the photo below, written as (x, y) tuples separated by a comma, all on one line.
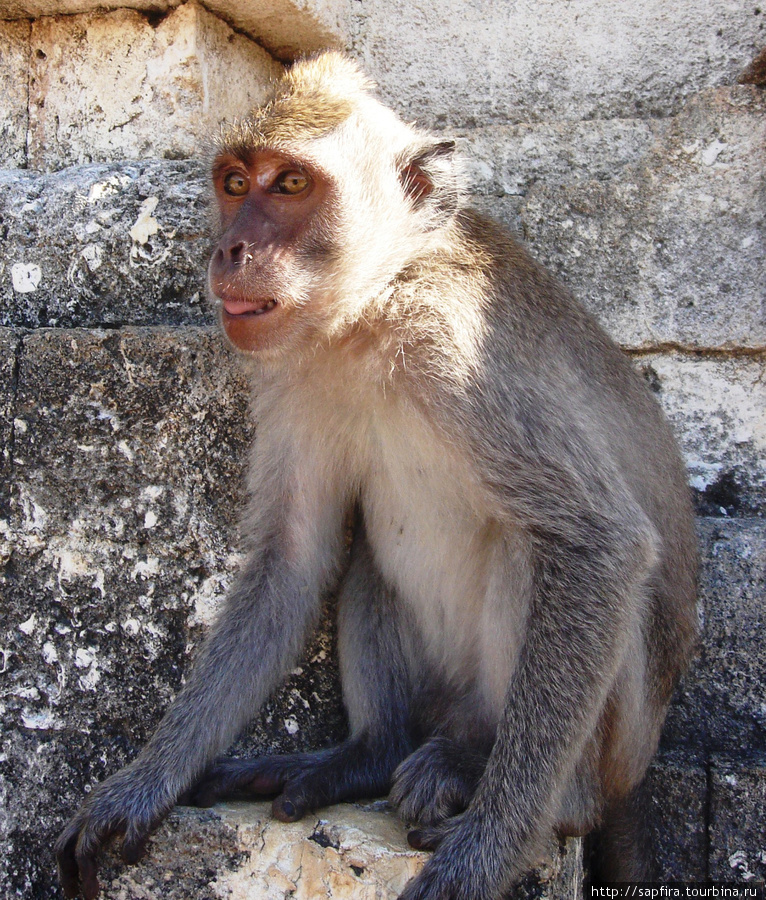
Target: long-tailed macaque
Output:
[(518, 600)]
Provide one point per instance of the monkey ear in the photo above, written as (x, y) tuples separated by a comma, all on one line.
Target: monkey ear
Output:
[(428, 179)]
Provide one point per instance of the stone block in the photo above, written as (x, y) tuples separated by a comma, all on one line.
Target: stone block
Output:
[(677, 815), (503, 163), (738, 819), (672, 249), (286, 28), (14, 117), (720, 705), (236, 851), (119, 85), (717, 407), (105, 244), (9, 343), (543, 60)]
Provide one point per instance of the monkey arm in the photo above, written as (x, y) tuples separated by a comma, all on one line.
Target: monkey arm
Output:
[(578, 628), (257, 638), (593, 552)]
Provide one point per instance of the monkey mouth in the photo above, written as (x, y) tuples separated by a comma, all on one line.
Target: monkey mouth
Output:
[(249, 307)]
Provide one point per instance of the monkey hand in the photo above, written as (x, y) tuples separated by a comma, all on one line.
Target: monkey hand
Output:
[(467, 863), (131, 804)]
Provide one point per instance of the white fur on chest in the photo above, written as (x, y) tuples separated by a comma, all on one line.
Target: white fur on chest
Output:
[(464, 576)]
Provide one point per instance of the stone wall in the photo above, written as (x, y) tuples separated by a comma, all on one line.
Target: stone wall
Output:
[(613, 137)]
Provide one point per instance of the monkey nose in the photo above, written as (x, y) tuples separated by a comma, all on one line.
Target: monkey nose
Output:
[(238, 254)]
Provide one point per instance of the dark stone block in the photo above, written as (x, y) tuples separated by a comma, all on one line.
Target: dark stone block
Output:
[(110, 244), (677, 799), (738, 819)]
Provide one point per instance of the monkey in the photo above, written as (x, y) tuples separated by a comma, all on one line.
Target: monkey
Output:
[(516, 602)]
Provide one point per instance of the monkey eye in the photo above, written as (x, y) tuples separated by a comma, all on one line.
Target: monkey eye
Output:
[(235, 184), (290, 182)]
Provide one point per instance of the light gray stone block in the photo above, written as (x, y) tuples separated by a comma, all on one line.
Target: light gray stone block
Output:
[(672, 250), (14, 113), (716, 406), (116, 85), (542, 60), (286, 28)]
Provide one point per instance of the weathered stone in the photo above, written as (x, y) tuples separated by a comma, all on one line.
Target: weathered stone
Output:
[(543, 60), (117, 85), (8, 347), (286, 28), (673, 249), (721, 703), (717, 407), (128, 449), (345, 852), (676, 789), (503, 163), (738, 819), (14, 115), (105, 245)]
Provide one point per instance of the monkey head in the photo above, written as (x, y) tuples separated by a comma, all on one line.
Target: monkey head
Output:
[(324, 196)]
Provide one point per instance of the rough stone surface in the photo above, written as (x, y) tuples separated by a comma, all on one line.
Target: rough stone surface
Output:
[(14, 84), (717, 407), (659, 228), (8, 346), (288, 29), (738, 819), (125, 484), (347, 852), (677, 815), (118, 85), (672, 250), (721, 703), (543, 60), (285, 28), (105, 245)]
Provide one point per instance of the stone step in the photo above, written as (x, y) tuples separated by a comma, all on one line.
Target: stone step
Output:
[(236, 851)]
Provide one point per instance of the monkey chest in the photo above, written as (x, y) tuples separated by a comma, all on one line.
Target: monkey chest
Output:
[(430, 532)]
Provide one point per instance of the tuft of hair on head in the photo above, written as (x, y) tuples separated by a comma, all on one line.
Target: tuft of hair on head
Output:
[(330, 73), (314, 96)]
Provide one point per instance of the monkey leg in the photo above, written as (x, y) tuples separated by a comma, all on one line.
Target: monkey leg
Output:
[(375, 690), (437, 781), (623, 850)]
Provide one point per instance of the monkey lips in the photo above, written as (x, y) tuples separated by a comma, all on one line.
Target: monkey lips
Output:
[(248, 307), (250, 324)]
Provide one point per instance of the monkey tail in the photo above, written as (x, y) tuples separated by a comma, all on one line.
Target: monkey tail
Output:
[(621, 849)]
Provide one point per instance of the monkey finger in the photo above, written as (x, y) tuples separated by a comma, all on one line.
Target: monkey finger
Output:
[(69, 871), (134, 848), (426, 838), (88, 867)]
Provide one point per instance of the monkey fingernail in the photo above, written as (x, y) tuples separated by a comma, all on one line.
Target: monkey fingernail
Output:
[(286, 810)]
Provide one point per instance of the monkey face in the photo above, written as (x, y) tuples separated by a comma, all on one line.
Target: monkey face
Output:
[(268, 204)]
